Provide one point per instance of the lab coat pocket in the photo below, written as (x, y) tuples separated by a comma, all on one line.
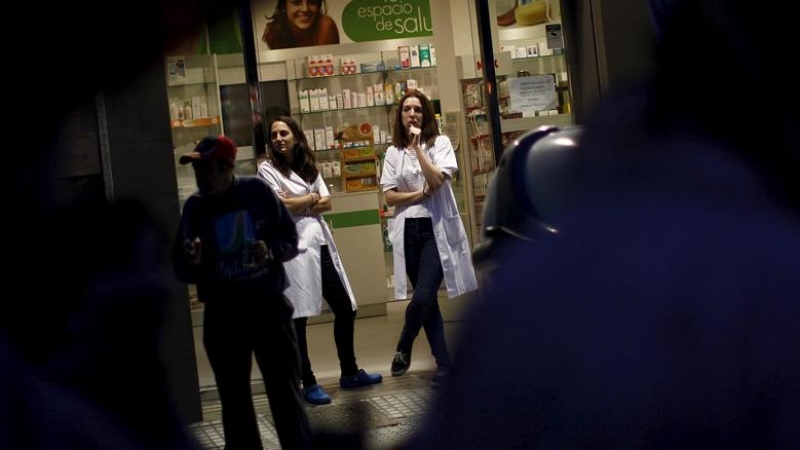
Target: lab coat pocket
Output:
[(395, 231), (454, 230)]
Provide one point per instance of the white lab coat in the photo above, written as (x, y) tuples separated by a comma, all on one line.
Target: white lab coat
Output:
[(401, 170), (304, 271)]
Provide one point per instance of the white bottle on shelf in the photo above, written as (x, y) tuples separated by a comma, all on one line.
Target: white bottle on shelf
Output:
[(174, 111)]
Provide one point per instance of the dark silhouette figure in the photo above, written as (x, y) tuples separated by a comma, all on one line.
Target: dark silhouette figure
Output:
[(78, 338), (664, 313)]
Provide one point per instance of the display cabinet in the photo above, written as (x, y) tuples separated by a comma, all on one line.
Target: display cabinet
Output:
[(194, 109), (346, 109), (536, 95)]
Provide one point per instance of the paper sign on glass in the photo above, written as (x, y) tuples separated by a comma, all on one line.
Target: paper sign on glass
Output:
[(533, 93)]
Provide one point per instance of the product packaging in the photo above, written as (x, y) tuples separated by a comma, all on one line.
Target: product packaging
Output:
[(370, 97), (404, 56), (346, 99), (310, 138), (313, 99), (319, 139), (388, 94), (377, 90), (305, 105), (424, 55), (414, 52), (323, 99), (329, 139)]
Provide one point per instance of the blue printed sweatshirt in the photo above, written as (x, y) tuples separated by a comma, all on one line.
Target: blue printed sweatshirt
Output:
[(225, 224)]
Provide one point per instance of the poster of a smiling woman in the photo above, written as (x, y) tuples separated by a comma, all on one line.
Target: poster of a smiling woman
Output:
[(299, 23), (290, 24)]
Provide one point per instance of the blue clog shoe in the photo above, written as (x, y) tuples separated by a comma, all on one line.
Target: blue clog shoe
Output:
[(315, 395)]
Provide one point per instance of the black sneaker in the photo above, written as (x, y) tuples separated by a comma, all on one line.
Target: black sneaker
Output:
[(401, 363)]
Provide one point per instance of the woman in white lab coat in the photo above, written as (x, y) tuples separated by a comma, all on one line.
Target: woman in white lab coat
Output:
[(427, 234), (317, 271)]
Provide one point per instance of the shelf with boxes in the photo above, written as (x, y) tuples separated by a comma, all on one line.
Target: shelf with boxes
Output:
[(194, 107), (526, 101), (347, 109)]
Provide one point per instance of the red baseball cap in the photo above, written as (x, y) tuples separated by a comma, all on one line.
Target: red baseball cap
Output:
[(211, 148)]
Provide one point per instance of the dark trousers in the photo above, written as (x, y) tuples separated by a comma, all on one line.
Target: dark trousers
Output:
[(235, 329), (335, 294), (424, 270)]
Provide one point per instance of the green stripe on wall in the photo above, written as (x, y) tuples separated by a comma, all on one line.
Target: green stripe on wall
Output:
[(353, 219)]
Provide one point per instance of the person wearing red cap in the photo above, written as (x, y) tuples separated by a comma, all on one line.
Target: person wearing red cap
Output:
[(232, 241)]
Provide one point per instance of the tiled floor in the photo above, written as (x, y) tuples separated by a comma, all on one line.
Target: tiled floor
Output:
[(386, 412)]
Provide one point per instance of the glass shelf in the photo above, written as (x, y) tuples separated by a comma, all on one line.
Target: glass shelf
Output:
[(345, 110), (375, 72), (537, 58)]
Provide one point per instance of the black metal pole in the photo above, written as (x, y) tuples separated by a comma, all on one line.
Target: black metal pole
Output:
[(251, 76), (489, 78)]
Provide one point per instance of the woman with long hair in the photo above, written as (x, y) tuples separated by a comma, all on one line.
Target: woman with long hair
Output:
[(300, 23), (317, 271), (428, 237)]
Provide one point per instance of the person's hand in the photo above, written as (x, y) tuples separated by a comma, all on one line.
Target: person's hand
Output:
[(415, 137), (259, 250), (193, 250)]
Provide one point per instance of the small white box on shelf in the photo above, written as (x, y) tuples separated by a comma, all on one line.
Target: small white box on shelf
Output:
[(376, 134), (404, 56), (313, 99), (414, 52), (337, 168), (310, 139), (346, 99), (327, 169), (329, 140), (319, 139), (323, 99), (533, 51), (543, 49), (305, 105), (370, 96)]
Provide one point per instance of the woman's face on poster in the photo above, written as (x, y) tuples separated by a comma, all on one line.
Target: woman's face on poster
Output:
[(302, 13)]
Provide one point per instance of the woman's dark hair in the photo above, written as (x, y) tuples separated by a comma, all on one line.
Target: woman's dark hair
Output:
[(429, 126), (277, 33), (304, 164)]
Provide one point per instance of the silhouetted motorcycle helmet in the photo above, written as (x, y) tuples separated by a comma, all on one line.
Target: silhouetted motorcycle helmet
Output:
[(522, 199)]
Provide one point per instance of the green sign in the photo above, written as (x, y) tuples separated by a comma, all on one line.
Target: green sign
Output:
[(377, 20)]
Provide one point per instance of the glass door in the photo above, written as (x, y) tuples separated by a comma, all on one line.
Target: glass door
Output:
[(530, 85)]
